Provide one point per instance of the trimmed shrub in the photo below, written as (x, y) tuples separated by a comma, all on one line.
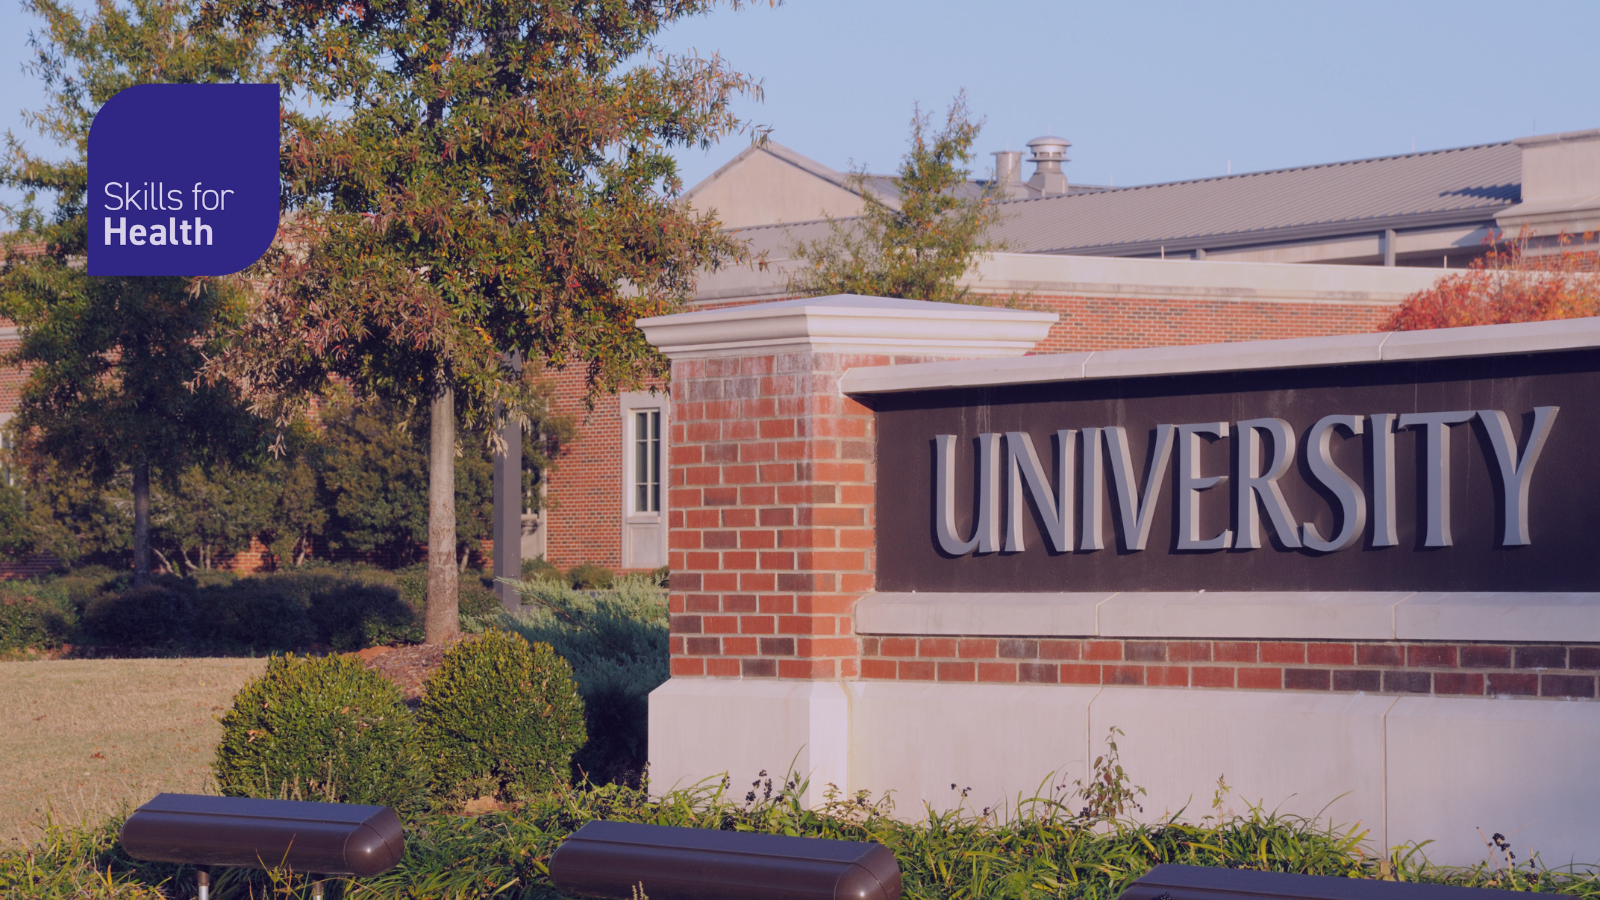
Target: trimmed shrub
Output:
[(539, 568), (28, 621), (352, 615), (253, 612), (590, 576), (158, 614), (321, 729), (474, 592), (500, 718), (616, 643)]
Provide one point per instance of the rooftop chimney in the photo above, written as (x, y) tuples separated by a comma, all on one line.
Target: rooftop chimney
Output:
[(1008, 174), (1048, 155)]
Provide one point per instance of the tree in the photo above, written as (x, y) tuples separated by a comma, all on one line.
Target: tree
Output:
[(370, 465), (922, 248), (111, 359), (496, 181), (1508, 284)]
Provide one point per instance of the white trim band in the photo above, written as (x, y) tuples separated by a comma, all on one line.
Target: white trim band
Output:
[(1250, 615), (1294, 353), (850, 324)]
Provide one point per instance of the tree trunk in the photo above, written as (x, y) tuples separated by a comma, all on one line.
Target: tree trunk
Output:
[(141, 522), (441, 619)]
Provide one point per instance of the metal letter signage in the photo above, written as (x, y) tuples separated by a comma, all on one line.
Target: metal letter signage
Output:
[(183, 179), (1472, 478)]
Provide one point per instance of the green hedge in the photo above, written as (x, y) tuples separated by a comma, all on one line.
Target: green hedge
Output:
[(338, 607)]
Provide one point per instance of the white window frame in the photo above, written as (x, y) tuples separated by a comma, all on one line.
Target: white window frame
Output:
[(8, 471), (635, 555)]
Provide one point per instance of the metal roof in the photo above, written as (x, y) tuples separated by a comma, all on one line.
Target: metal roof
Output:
[(1415, 190)]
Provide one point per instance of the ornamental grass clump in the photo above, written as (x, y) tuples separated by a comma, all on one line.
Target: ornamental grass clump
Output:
[(322, 729), (500, 718)]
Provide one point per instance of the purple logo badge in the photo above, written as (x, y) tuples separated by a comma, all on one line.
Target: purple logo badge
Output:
[(183, 179)]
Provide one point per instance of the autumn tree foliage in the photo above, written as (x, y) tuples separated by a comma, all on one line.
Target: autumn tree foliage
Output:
[(921, 247), (111, 359), (1509, 284), (493, 178)]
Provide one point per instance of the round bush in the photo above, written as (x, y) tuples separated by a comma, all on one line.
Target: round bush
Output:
[(253, 612), (590, 576), (475, 595), (153, 615), (352, 615), (321, 729), (539, 567), (500, 718)]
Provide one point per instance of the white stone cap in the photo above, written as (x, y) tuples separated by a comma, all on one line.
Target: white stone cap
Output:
[(1294, 353), (1244, 615), (850, 323)]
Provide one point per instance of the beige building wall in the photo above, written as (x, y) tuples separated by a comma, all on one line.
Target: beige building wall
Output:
[(773, 185)]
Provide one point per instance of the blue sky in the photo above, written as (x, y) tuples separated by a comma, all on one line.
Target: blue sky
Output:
[(1146, 91)]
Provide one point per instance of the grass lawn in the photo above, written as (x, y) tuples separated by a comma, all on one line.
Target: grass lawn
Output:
[(79, 738)]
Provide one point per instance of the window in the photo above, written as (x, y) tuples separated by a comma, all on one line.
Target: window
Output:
[(644, 474), (647, 461)]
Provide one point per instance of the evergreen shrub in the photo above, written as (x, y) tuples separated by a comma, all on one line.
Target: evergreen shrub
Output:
[(322, 729), (616, 643), (539, 568), (28, 621), (474, 591), (158, 614), (253, 612), (590, 576), (353, 614), (500, 718)]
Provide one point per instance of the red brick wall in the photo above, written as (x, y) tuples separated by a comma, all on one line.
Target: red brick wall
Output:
[(770, 515), (583, 496), (1453, 669), (1108, 323)]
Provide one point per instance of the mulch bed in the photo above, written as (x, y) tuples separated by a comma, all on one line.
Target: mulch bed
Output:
[(407, 666)]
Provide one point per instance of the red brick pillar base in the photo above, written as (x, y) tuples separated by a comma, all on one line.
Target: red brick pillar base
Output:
[(770, 514)]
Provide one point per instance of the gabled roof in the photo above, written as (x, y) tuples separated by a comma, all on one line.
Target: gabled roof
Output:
[(1416, 190), (882, 185)]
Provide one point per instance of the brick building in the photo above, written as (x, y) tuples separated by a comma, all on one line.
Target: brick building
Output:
[(1318, 250)]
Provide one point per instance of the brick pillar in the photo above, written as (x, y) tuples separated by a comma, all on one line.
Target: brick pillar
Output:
[(770, 515), (770, 520)]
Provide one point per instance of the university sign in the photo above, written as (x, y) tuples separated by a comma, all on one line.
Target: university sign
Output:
[(1474, 476), (1349, 573)]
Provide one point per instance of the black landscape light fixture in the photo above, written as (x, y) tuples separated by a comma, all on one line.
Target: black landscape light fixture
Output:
[(612, 859), (320, 839)]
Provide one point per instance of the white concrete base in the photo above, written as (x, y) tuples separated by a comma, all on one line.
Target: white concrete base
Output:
[(704, 728), (1313, 755), (1006, 742), (1405, 769), (1524, 768)]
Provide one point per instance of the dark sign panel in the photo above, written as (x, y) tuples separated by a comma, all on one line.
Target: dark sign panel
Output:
[(1449, 475)]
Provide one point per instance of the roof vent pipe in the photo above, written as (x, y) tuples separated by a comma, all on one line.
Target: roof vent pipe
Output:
[(1008, 174), (1049, 153)]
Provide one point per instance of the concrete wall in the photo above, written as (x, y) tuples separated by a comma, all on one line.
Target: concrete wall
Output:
[(1400, 768)]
